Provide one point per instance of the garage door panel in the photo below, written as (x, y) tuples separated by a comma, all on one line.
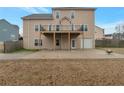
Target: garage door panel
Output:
[(86, 43)]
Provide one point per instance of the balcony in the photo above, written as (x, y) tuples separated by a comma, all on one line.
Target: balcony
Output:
[(62, 28)]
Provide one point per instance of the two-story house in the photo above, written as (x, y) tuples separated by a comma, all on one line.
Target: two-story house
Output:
[(8, 31), (65, 28)]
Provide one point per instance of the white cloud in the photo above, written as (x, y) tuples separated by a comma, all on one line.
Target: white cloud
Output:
[(110, 27), (35, 9)]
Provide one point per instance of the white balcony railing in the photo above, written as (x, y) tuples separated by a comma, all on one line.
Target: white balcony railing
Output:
[(61, 28)]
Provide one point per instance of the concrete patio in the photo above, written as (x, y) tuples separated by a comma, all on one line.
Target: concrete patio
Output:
[(61, 54), (73, 54)]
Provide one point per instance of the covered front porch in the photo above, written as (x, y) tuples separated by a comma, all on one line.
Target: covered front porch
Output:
[(65, 41)]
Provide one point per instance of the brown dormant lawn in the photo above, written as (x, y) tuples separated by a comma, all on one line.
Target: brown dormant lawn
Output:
[(62, 72)]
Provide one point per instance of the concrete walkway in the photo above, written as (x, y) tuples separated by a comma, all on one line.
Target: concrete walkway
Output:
[(61, 54)]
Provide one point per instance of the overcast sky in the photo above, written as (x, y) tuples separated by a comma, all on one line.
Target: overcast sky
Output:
[(106, 18)]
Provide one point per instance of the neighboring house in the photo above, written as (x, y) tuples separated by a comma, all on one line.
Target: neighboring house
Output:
[(99, 33), (108, 36), (8, 32), (65, 28)]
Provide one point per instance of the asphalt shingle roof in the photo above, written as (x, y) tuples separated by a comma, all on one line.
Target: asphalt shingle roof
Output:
[(38, 16), (72, 8)]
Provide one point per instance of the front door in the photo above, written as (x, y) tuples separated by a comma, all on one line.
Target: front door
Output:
[(73, 43)]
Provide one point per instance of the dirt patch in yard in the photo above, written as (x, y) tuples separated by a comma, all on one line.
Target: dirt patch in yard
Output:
[(62, 72)]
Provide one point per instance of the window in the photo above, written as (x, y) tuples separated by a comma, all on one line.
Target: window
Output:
[(57, 14), (49, 27), (38, 42), (12, 36), (72, 14), (73, 43), (84, 28), (41, 28), (57, 27), (36, 28)]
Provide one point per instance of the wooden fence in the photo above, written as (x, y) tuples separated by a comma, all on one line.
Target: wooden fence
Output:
[(10, 46), (1, 46), (109, 43)]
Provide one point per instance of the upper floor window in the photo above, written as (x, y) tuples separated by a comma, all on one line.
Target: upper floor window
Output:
[(84, 27), (36, 28), (57, 27), (49, 27), (57, 14), (39, 28), (72, 16)]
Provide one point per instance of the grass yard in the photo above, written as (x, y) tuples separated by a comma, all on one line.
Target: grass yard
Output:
[(62, 72), (24, 50)]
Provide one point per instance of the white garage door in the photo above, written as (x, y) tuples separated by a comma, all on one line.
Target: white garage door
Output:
[(87, 43)]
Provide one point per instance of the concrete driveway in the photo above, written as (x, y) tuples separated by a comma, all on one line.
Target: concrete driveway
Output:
[(61, 54)]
